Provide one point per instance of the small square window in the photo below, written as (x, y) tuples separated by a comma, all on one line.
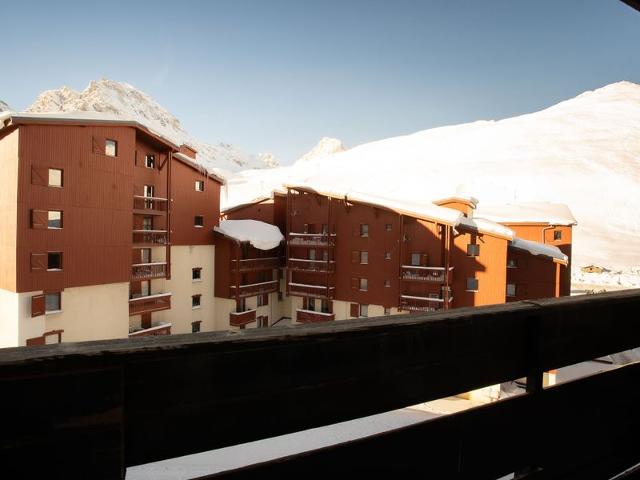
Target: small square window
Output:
[(364, 310), (54, 261), (196, 274), (387, 283), (557, 234), (364, 258), (195, 301), (55, 219), (55, 177), (511, 289), (387, 311), (195, 326), (473, 250), (364, 284), (150, 161), (199, 185), (111, 148), (512, 263), (52, 302), (387, 255), (198, 221), (364, 230), (415, 259), (388, 227), (472, 284)]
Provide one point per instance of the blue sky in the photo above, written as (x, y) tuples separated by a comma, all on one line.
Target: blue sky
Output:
[(275, 76)]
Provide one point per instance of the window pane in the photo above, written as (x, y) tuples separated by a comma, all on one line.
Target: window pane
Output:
[(199, 185), (311, 304), (52, 302), (473, 250), (364, 230), (198, 221), (387, 227), (364, 310), (149, 161), (364, 257), (472, 284), (415, 259), (557, 234), (363, 284), (196, 274), (195, 301), (511, 289), (54, 261), (111, 148), (55, 177), (387, 255), (55, 219)]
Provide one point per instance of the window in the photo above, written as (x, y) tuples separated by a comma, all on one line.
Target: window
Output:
[(364, 310), (387, 311), (262, 321), (325, 306), (196, 274), (150, 161), (472, 284), (387, 227), (363, 284), (557, 234), (147, 223), (145, 255), (473, 250), (512, 263), (325, 255), (259, 301), (199, 185), (511, 289), (52, 302), (415, 259), (148, 191), (54, 261), (195, 326), (387, 283), (364, 230), (55, 219), (311, 304), (198, 221), (364, 258), (312, 254), (55, 177), (387, 255), (195, 301), (325, 228), (110, 148)]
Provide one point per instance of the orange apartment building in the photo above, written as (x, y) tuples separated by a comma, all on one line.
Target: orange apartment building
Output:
[(107, 231)]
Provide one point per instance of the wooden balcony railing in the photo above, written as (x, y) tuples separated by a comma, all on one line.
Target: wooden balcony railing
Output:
[(421, 304), (426, 274), (121, 403), (237, 319), (150, 303), (254, 289), (306, 290), (148, 271), (149, 205), (312, 239), (256, 264), (163, 328), (150, 238), (309, 316), (303, 265)]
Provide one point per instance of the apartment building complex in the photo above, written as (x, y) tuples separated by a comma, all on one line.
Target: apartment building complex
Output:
[(108, 231)]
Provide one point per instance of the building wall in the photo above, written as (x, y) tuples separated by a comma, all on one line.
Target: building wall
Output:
[(490, 268), (534, 276), (9, 145), (10, 318)]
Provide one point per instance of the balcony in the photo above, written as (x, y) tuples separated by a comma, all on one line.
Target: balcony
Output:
[(426, 274), (254, 289), (148, 271), (321, 240), (163, 328), (256, 264), (304, 265), (238, 319), (421, 304), (150, 238), (309, 316), (149, 205), (149, 303), (583, 428), (306, 290)]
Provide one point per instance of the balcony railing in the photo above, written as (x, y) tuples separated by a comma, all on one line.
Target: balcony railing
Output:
[(421, 304), (256, 264), (310, 316), (426, 274), (150, 237), (210, 384), (306, 290), (312, 239), (148, 271), (163, 328), (255, 289), (304, 265), (238, 319), (149, 205), (149, 303)]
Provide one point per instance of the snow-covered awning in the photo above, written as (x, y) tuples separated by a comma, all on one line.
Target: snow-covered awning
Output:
[(529, 212), (260, 235), (486, 226), (535, 248)]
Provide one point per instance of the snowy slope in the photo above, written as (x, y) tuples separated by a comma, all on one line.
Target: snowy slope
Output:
[(326, 146), (123, 100), (584, 152), (4, 107)]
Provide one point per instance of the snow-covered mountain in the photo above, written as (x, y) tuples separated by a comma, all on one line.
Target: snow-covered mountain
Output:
[(4, 107), (123, 100), (326, 146), (584, 152)]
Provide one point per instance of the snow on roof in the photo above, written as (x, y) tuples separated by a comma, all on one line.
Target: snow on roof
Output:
[(536, 248), (486, 226), (530, 212), (191, 162), (458, 198), (261, 235)]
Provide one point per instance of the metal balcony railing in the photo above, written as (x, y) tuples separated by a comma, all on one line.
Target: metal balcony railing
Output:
[(312, 239), (427, 274), (148, 271), (305, 265), (149, 205), (150, 237), (318, 291)]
